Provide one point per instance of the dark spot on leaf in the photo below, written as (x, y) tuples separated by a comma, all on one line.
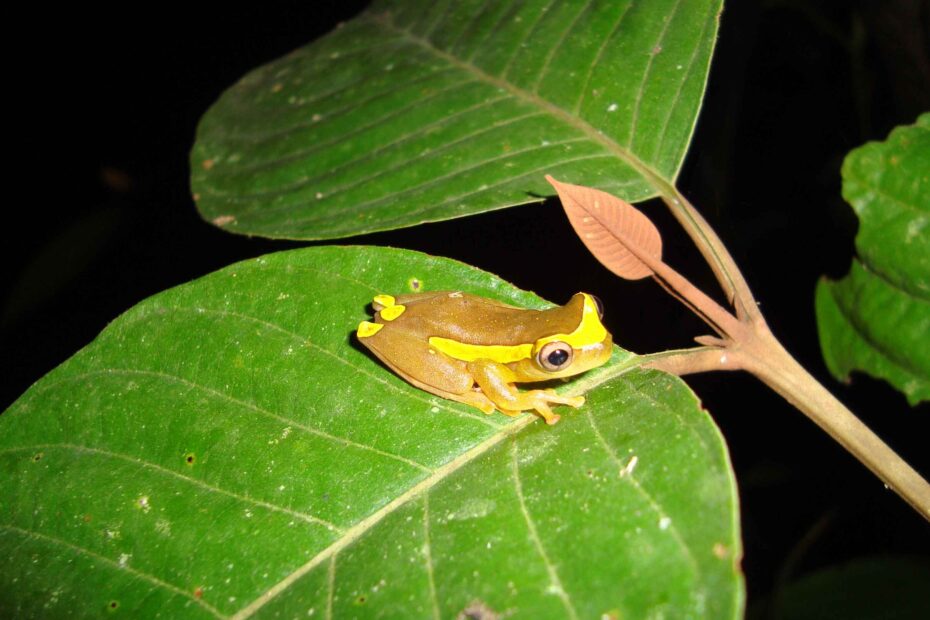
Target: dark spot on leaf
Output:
[(198, 593), (113, 605), (360, 600), (38, 456), (477, 610), (415, 284), (88, 518), (189, 458), (590, 473)]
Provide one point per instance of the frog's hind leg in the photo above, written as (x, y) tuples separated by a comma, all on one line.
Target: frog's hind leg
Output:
[(414, 361)]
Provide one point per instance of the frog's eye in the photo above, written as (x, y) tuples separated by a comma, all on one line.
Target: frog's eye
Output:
[(599, 305), (554, 355)]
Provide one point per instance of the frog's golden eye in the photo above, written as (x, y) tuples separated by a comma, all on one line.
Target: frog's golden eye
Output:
[(599, 305), (554, 355)]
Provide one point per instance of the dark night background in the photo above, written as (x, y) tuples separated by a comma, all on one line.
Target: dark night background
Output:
[(106, 220)]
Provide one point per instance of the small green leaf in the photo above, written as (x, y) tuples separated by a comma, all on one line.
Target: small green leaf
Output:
[(877, 318), (892, 588), (225, 449), (424, 111)]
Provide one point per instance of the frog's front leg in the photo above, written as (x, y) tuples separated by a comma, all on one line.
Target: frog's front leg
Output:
[(497, 383)]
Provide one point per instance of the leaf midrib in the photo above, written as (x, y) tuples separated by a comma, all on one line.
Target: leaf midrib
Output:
[(359, 529), (651, 176)]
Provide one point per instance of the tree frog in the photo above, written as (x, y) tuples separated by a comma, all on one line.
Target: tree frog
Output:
[(473, 350)]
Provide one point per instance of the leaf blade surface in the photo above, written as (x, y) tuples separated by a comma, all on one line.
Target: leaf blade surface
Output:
[(876, 319), (224, 450), (413, 113)]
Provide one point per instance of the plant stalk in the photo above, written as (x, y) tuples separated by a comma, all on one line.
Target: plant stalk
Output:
[(765, 357)]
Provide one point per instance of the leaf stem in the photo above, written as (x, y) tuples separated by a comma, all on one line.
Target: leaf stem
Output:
[(709, 244), (766, 358), (749, 344)]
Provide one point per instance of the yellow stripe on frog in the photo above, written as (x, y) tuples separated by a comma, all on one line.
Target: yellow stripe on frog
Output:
[(503, 354)]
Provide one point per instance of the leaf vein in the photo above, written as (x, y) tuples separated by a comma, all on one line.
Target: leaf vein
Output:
[(359, 129), (874, 345), (550, 167), (642, 85), (600, 53), (653, 504), (426, 208), (168, 472), (247, 405), (686, 75), (564, 116), (116, 565), (428, 558), (554, 581), (367, 155), (359, 529)]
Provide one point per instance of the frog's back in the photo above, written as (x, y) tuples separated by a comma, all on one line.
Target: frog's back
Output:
[(471, 319)]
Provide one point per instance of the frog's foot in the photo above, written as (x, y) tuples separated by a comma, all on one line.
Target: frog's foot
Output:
[(541, 399)]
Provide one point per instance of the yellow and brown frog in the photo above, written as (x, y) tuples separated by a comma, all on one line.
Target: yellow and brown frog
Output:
[(473, 350)]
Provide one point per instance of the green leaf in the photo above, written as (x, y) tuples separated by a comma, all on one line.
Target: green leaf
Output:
[(424, 111), (877, 318), (225, 448), (890, 588)]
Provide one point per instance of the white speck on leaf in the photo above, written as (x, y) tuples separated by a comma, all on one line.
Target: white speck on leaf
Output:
[(613, 107), (554, 589), (915, 228), (630, 466), (664, 522)]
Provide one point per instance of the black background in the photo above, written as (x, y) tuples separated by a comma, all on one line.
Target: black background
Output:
[(99, 217)]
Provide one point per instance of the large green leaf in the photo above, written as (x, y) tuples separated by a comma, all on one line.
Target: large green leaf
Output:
[(225, 449), (421, 111), (877, 318)]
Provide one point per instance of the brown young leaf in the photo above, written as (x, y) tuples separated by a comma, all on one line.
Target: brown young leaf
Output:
[(612, 229)]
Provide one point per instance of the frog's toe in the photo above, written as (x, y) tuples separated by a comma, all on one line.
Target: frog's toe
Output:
[(574, 401), (558, 399), (544, 410)]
